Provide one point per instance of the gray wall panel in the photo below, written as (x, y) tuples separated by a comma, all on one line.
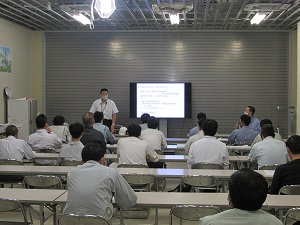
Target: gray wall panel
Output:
[(228, 71)]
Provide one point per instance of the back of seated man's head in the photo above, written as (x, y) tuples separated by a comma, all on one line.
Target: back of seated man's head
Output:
[(247, 190), (251, 109), (200, 123), (293, 143), (41, 121), (267, 130), (201, 115), (153, 122), (92, 151), (134, 130), (245, 119), (11, 130), (76, 130), (264, 122), (98, 116), (210, 127), (88, 119), (58, 120), (145, 117)]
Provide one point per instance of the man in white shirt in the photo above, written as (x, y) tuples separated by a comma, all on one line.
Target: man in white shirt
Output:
[(258, 137), (72, 151), (132, 150), (269, 151), (92, 186), (154, 137), (209, 149), (195, 137), (13, 148), (44, 138), (108, 107), (60, 128), (247, 192)]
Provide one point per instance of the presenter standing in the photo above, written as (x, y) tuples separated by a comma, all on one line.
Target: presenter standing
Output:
[(108, 107)]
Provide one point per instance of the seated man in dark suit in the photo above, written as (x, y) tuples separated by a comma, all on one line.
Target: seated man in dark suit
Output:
[(91, 135), (288, 174)]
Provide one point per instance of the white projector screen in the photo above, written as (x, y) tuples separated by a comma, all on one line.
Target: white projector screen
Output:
[(162, 100)]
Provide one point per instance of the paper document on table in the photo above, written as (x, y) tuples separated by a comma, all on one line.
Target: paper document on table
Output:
[(269, 172)]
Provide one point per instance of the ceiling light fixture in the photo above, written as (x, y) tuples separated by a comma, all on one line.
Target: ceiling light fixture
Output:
[(257, 18), (81, 18), (103, 7), (174, 18)]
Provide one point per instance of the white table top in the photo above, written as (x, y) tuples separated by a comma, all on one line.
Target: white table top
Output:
[(160, 172), (31, 195)]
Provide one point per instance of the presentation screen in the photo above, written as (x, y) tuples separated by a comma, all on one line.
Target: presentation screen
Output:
[(162, 100)]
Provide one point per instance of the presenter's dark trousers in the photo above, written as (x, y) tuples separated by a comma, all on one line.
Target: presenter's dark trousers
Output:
[(107, 123)]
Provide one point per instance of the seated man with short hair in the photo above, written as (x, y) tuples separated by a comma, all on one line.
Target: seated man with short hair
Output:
[(144, 119), (98, 125), (195, 130), (13, 148), (209, 149), (195, 137), (44, 138), (269, 151), (132, 150), (244, 135), (60, 128), (92, 186), (72, 150), (247, 192), (288, 174)]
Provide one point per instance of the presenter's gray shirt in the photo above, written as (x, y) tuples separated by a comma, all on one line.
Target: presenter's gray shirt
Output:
[(91, 187)]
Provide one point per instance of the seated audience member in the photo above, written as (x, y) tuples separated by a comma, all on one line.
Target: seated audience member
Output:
[(13, 148), (254, 124), (209, 149), (92, 186), (195, 137), (144, 119), (269, 151), (72, 151), (247, 192), (288, 174), (91, 135), (98, 125), (132, 150), (44, 138), (243, 135), (60, 129), (195, 130), (154, 137), (258, 137)]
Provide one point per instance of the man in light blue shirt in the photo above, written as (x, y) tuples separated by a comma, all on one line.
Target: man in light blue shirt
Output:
[(144, 119), (255, 123), (243, 135), (195, 130), (98, 117)]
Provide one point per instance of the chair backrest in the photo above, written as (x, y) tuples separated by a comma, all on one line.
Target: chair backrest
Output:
[(200, 181), (82, 220), (192, 212), (42, 182), (124, 165), (290, 190), (10, 162), (141, 182), (268, 167), (70, 163), (207, 166), (12, 205), (293, 215)]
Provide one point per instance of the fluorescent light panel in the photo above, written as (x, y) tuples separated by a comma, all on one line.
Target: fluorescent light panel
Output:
[(81, 18), (105, 7), (174, 18), (257, 18)]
